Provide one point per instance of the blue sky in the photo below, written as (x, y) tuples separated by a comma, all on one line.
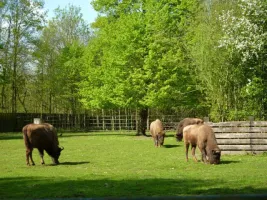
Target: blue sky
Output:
[(89, 14)]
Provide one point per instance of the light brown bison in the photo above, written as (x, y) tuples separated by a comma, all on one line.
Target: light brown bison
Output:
[(43, 137), (203, 137), (183, 123), (157, 132)]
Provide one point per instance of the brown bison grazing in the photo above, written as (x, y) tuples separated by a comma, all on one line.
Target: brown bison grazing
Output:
[(203, 137), (157, 132), (183, 123), (43, 137)]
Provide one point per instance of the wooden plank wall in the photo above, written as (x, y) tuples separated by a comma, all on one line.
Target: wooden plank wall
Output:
[(241, 137)]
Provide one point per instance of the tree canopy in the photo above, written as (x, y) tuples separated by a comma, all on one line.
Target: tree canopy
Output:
[(188, 57)]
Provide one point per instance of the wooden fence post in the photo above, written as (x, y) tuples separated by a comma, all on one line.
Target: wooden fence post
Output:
[(251, 120), (112, 120), (132, 125), (97, 121), (136, 120), (119, 119), (103, 119), (147, 121), (126, 119)]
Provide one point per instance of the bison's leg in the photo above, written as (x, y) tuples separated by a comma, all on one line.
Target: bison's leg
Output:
[(31, 158), (186, 151), (55, 161), (207, 157), (194, 152), (203, 153), (41, 153), (204, 157), (156, 141), (29, 155)]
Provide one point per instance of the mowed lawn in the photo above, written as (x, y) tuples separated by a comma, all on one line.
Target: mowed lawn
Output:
[(120, 164)]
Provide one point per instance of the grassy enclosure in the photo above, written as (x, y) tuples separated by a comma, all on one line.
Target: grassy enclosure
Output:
[(120, 164)]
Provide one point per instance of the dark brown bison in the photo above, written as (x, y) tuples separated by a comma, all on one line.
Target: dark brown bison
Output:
[(43, 137), (157, 132), (203, 137), (183, 123)]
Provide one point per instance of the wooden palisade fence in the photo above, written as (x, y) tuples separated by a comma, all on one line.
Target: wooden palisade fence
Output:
[(241, 137)]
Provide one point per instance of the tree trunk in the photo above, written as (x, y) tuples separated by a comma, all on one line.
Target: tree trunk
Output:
[(22, 101), (50, 101), (142, 121), (16, 37), (14, 83)]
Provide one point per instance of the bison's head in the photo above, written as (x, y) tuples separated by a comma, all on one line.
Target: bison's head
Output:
[(215, 156), (161, 139), (56, 155), (179, 132), (199, 121), (179, 136)]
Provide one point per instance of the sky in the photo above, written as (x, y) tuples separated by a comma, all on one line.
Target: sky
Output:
[(89, 14)]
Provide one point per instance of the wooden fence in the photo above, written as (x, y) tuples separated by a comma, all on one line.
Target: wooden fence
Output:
[(238, 137), (241, 137), (7, 122), (82, 122)]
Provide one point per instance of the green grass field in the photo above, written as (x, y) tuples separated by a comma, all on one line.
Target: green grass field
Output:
[(120, 164)]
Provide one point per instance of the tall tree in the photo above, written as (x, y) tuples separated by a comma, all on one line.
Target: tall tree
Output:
[(21, 23), (245, 35), (137, 57), (3, 52), (60, 47), (214, 70), (228, 54)]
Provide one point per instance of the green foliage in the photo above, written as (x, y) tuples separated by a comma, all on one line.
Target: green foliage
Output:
[(119, 164), (201, 58), (244, 34), (227, 58), (20, 24), (59, 54), (257, 66), (167, 60), (211, 68), (137, 58)]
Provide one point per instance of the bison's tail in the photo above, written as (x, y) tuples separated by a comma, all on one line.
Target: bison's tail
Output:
[(25, 136)]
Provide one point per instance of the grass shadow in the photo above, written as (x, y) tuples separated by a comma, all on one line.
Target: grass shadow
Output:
[(11, 136), (169, 135), (90, 134), (74, 163), (169, 146), (226, 162)]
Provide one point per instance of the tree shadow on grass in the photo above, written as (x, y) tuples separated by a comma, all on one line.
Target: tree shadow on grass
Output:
[(59, 187)]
